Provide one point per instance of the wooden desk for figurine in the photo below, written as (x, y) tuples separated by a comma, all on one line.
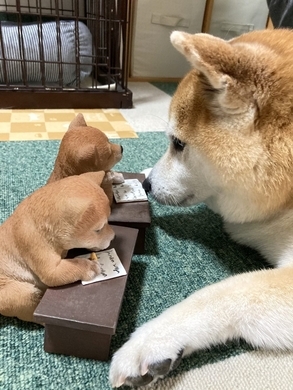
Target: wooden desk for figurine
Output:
[(134, 214), (81, 320)]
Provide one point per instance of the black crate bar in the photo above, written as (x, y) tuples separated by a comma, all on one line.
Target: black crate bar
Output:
[(109, 24)]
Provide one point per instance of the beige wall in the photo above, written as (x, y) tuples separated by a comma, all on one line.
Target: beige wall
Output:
[(153, 56)]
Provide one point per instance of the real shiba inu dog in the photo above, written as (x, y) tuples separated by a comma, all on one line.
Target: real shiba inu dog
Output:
[(231, 146)]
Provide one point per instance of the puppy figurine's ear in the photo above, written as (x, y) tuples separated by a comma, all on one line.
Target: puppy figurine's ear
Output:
[(214, 59), (78, 121)]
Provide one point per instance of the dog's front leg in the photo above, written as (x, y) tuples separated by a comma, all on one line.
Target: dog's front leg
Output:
[(257, 307), (115, 177), (56, 271)]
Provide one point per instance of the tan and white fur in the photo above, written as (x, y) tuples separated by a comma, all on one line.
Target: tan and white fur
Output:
[(231, 146), (66, 214)]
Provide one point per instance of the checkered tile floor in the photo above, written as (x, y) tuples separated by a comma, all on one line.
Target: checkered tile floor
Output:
[(28, 125)]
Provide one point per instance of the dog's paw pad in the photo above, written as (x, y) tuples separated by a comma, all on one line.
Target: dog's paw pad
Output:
[(178, 360), (139, 380), (149, 373), (161, 368), (154, 371)]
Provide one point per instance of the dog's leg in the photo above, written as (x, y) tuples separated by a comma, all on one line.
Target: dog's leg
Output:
[(55, 271), (115, 177), (19, 299), (256, 306)]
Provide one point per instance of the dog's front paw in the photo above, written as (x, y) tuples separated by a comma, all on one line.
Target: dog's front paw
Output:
[(93, 270), (117, 177), (147, 356)]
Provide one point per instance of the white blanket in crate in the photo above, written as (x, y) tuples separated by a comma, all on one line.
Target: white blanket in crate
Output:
[(23, 49)]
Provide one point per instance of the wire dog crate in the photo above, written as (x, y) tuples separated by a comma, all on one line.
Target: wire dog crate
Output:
[(64, 53)]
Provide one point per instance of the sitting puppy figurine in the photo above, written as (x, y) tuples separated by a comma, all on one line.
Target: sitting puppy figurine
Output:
[(87, 149), (69, 213)]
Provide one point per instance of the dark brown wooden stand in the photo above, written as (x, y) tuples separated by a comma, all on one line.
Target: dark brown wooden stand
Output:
[(134, 214), (81, 320)]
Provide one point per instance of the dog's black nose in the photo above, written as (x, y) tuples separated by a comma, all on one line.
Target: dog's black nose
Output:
[(147, 185), (121, 149)]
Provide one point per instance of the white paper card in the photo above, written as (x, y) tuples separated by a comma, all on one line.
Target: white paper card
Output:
[(129, 191), (111, 266)]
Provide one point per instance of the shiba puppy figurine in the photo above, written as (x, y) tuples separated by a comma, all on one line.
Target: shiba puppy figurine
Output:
[(87, 149), (66, 214)]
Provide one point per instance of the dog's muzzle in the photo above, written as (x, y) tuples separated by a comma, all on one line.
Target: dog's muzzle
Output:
[(147, 185)]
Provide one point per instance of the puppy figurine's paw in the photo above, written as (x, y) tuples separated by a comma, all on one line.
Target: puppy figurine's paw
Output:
[(93, 270), (116, 177)]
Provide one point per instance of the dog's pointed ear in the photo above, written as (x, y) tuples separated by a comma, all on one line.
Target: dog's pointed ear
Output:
[(213, 58), (78, 121)]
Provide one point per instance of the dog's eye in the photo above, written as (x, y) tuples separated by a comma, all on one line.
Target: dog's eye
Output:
[(178, 145), (99, 230)]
